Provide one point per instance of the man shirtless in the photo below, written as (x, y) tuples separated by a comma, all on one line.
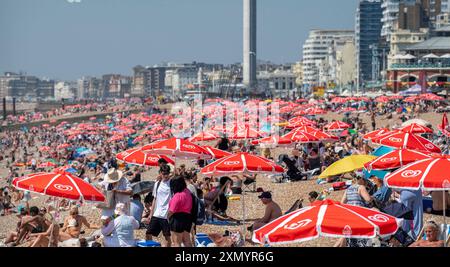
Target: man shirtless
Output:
[(273, 211), (72, 225)]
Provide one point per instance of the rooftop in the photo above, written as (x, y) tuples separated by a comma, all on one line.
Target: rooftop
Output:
[(435, 43)]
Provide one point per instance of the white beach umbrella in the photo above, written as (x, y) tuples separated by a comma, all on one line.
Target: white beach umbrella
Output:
[(430, 56)]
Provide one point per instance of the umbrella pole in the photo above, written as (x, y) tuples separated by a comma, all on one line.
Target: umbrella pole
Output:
[(445, 221), (243, 216)]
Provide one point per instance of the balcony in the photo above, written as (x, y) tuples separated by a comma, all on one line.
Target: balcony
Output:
[(420, 66)]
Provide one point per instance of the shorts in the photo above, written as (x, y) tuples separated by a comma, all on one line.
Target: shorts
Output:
[(157, 225), (181, 222)]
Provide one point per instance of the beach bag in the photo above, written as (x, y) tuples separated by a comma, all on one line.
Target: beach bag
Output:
[(198, 211), (339, 186)]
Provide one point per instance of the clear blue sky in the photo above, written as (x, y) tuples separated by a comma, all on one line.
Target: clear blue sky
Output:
[(62, 40)]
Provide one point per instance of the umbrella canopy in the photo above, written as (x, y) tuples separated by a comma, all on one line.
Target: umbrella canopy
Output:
[(430, 56), (375, 134), (242, 163), (329, 219), (416, 128), (59, 184), (176, 147), (347, 164), (297, 136), (396, 159), (428, 174), (203, 136), (400, 139), (217, 153), (136, 156), (337, 125), (323, 136)]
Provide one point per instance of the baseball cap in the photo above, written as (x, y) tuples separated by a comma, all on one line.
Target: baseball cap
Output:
[(266, 195)]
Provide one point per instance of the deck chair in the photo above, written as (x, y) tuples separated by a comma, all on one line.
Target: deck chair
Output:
[(249, 185), (298, 204)]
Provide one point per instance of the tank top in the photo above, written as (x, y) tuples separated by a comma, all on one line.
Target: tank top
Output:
[(353, 197)]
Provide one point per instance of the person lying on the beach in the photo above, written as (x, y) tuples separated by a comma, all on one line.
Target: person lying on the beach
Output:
[(432, 232), (72, 225)]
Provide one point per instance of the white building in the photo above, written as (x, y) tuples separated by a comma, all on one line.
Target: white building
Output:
[(445, 6), (182, 77), (390, 16), (280, 82), (65, 90), (315, 50)]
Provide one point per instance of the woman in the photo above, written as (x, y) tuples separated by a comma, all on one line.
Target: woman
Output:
[(49, 238), (382, 193), (179, 215), (72, 225), (432, 233), (356, 195)]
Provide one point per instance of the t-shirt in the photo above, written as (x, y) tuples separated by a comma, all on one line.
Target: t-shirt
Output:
[(181, 202), (162, 199), (136, 209)]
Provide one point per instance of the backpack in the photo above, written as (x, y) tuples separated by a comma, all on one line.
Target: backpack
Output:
[(198, 211)]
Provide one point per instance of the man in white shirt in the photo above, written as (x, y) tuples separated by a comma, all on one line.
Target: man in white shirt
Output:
[(160, 207)]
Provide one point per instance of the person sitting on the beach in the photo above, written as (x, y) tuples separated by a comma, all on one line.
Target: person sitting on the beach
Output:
[(313, 196), (432, 233), (22, 214), (216, 200), (272, 212), (136, 207), (119, 232), (72, 225), (35, 223), (49, 238)]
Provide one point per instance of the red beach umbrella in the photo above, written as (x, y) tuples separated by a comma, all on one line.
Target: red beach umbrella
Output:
[(179, 148), (395, 159), (217, 153), (59, 184), (242, 163), (337, 125), (416, 128), (203, 136), (329, 219), (136, 156), (400, 139), (376, 134)]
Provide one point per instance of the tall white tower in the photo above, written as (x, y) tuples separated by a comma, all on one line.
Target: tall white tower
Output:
[(249, 57)]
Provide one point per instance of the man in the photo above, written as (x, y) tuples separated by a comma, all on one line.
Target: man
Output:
[(160, 207), (273, 211), (115, 181)]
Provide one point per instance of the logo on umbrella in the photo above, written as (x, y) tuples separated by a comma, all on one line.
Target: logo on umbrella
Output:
[(379, 218), (188, 146), (429, 146), (411, 173), (388, 159), (347, 230), (153, 159), (395, 140), (231, 162), (446, 184), (297, 225), (63, 187)]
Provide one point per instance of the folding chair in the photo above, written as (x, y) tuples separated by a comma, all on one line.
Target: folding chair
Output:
[(249, 185)]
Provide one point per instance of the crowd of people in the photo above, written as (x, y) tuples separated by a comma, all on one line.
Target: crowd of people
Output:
[(179, 194)]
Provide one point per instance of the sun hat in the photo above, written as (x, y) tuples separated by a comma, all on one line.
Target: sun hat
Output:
[(113, 176)]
